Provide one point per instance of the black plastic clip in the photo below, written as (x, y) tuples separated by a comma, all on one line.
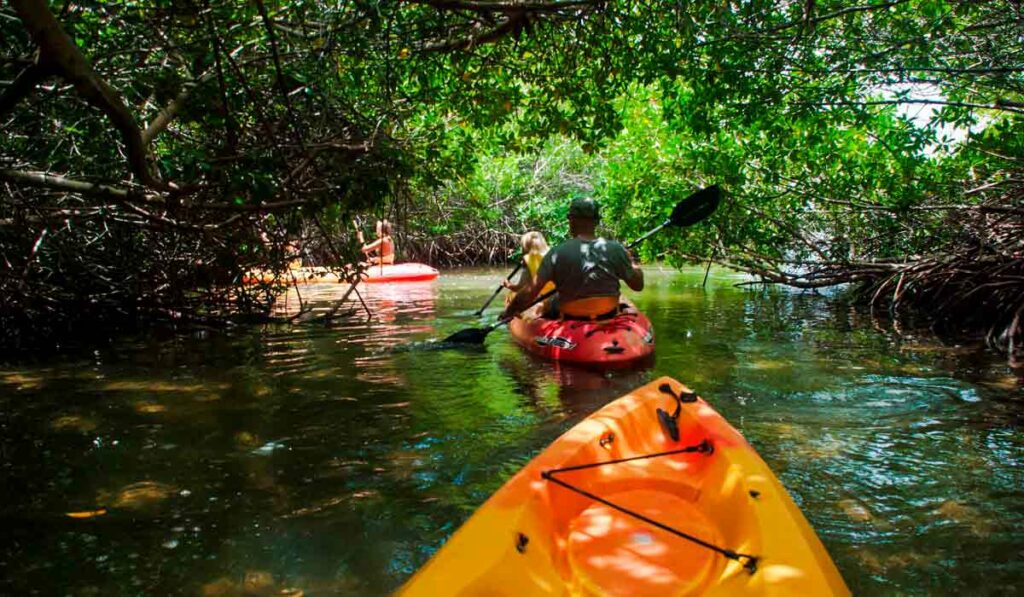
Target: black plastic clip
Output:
[(521, 541)]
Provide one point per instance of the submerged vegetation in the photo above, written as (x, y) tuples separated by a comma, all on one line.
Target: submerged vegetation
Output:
[(153, 153)]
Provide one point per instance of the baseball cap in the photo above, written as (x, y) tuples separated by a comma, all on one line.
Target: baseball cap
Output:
[(584, 207)]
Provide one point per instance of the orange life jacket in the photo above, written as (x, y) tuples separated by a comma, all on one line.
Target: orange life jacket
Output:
[(592, 306)]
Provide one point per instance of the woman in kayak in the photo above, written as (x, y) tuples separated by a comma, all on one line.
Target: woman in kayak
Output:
[(384, 246), (534, 249), (292, 248)]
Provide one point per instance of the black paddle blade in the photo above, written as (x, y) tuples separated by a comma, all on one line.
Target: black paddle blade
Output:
[(469, 336), (696, 207)]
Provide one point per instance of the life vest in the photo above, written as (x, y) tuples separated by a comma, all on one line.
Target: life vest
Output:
[(532, 261), (592, 306)]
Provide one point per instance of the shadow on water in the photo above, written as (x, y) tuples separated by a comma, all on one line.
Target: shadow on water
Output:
[(333, 459)]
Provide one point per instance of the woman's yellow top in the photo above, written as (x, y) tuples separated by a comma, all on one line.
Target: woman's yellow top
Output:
[(532, 261)]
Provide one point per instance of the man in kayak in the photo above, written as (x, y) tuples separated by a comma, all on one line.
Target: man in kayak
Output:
[(586, 269)]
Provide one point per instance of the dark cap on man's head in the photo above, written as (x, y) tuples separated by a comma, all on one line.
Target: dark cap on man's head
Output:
[(584, 208)]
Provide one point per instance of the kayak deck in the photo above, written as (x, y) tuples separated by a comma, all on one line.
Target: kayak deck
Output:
[(621, 341), (616, 506)]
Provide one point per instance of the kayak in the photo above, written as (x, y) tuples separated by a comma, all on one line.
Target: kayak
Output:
[(650, 495), (399, 272), (294, 276), (620, 341)]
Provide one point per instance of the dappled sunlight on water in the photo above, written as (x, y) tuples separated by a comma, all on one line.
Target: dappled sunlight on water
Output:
[(335, 456)]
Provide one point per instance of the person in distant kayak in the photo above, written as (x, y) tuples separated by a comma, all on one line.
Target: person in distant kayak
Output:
[(292, 249), (586, 269), (534, 247), (382, 250)]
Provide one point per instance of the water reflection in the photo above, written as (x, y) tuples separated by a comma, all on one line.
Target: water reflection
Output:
[(386, 303), (580, 391), (316, 458)]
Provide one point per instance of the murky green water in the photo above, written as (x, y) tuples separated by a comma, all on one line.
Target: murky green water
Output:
[(306, 458)]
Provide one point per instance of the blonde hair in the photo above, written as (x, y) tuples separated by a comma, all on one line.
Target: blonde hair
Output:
[(533, 242)]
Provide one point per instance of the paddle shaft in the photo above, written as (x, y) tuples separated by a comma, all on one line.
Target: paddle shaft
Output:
[(649, 234), (497, 290)]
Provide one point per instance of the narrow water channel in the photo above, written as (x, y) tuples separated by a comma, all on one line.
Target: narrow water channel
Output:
[(314, 460)]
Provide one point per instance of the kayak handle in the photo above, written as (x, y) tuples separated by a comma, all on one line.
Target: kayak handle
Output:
[(670, 422)]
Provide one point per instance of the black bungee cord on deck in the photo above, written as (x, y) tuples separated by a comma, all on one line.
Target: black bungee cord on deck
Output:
[(670, 425), (703, 447)]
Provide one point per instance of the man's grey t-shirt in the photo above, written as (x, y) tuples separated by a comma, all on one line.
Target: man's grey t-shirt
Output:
[(586, 268)]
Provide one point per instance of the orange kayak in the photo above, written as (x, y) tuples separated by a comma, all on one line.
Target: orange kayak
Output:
[(621, 341), (294, 276), (654, 494)]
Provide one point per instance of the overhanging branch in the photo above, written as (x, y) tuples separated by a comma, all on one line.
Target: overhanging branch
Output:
[(23, 85), (165, 116), (59, 51), (50, 181)]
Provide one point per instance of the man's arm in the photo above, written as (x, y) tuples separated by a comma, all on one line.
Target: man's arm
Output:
[(634, 276)]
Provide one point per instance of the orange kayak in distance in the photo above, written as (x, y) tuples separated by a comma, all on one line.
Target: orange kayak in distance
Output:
[(294, 276), (654, 494), (621, 341)]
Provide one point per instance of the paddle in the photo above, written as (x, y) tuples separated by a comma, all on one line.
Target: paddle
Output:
[(497, 290), (687, 212)]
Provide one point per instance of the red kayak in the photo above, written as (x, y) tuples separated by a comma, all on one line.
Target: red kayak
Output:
[(375, 274), (621, 341), (399, 272)]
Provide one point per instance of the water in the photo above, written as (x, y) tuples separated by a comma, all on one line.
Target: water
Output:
[(309, 458)]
